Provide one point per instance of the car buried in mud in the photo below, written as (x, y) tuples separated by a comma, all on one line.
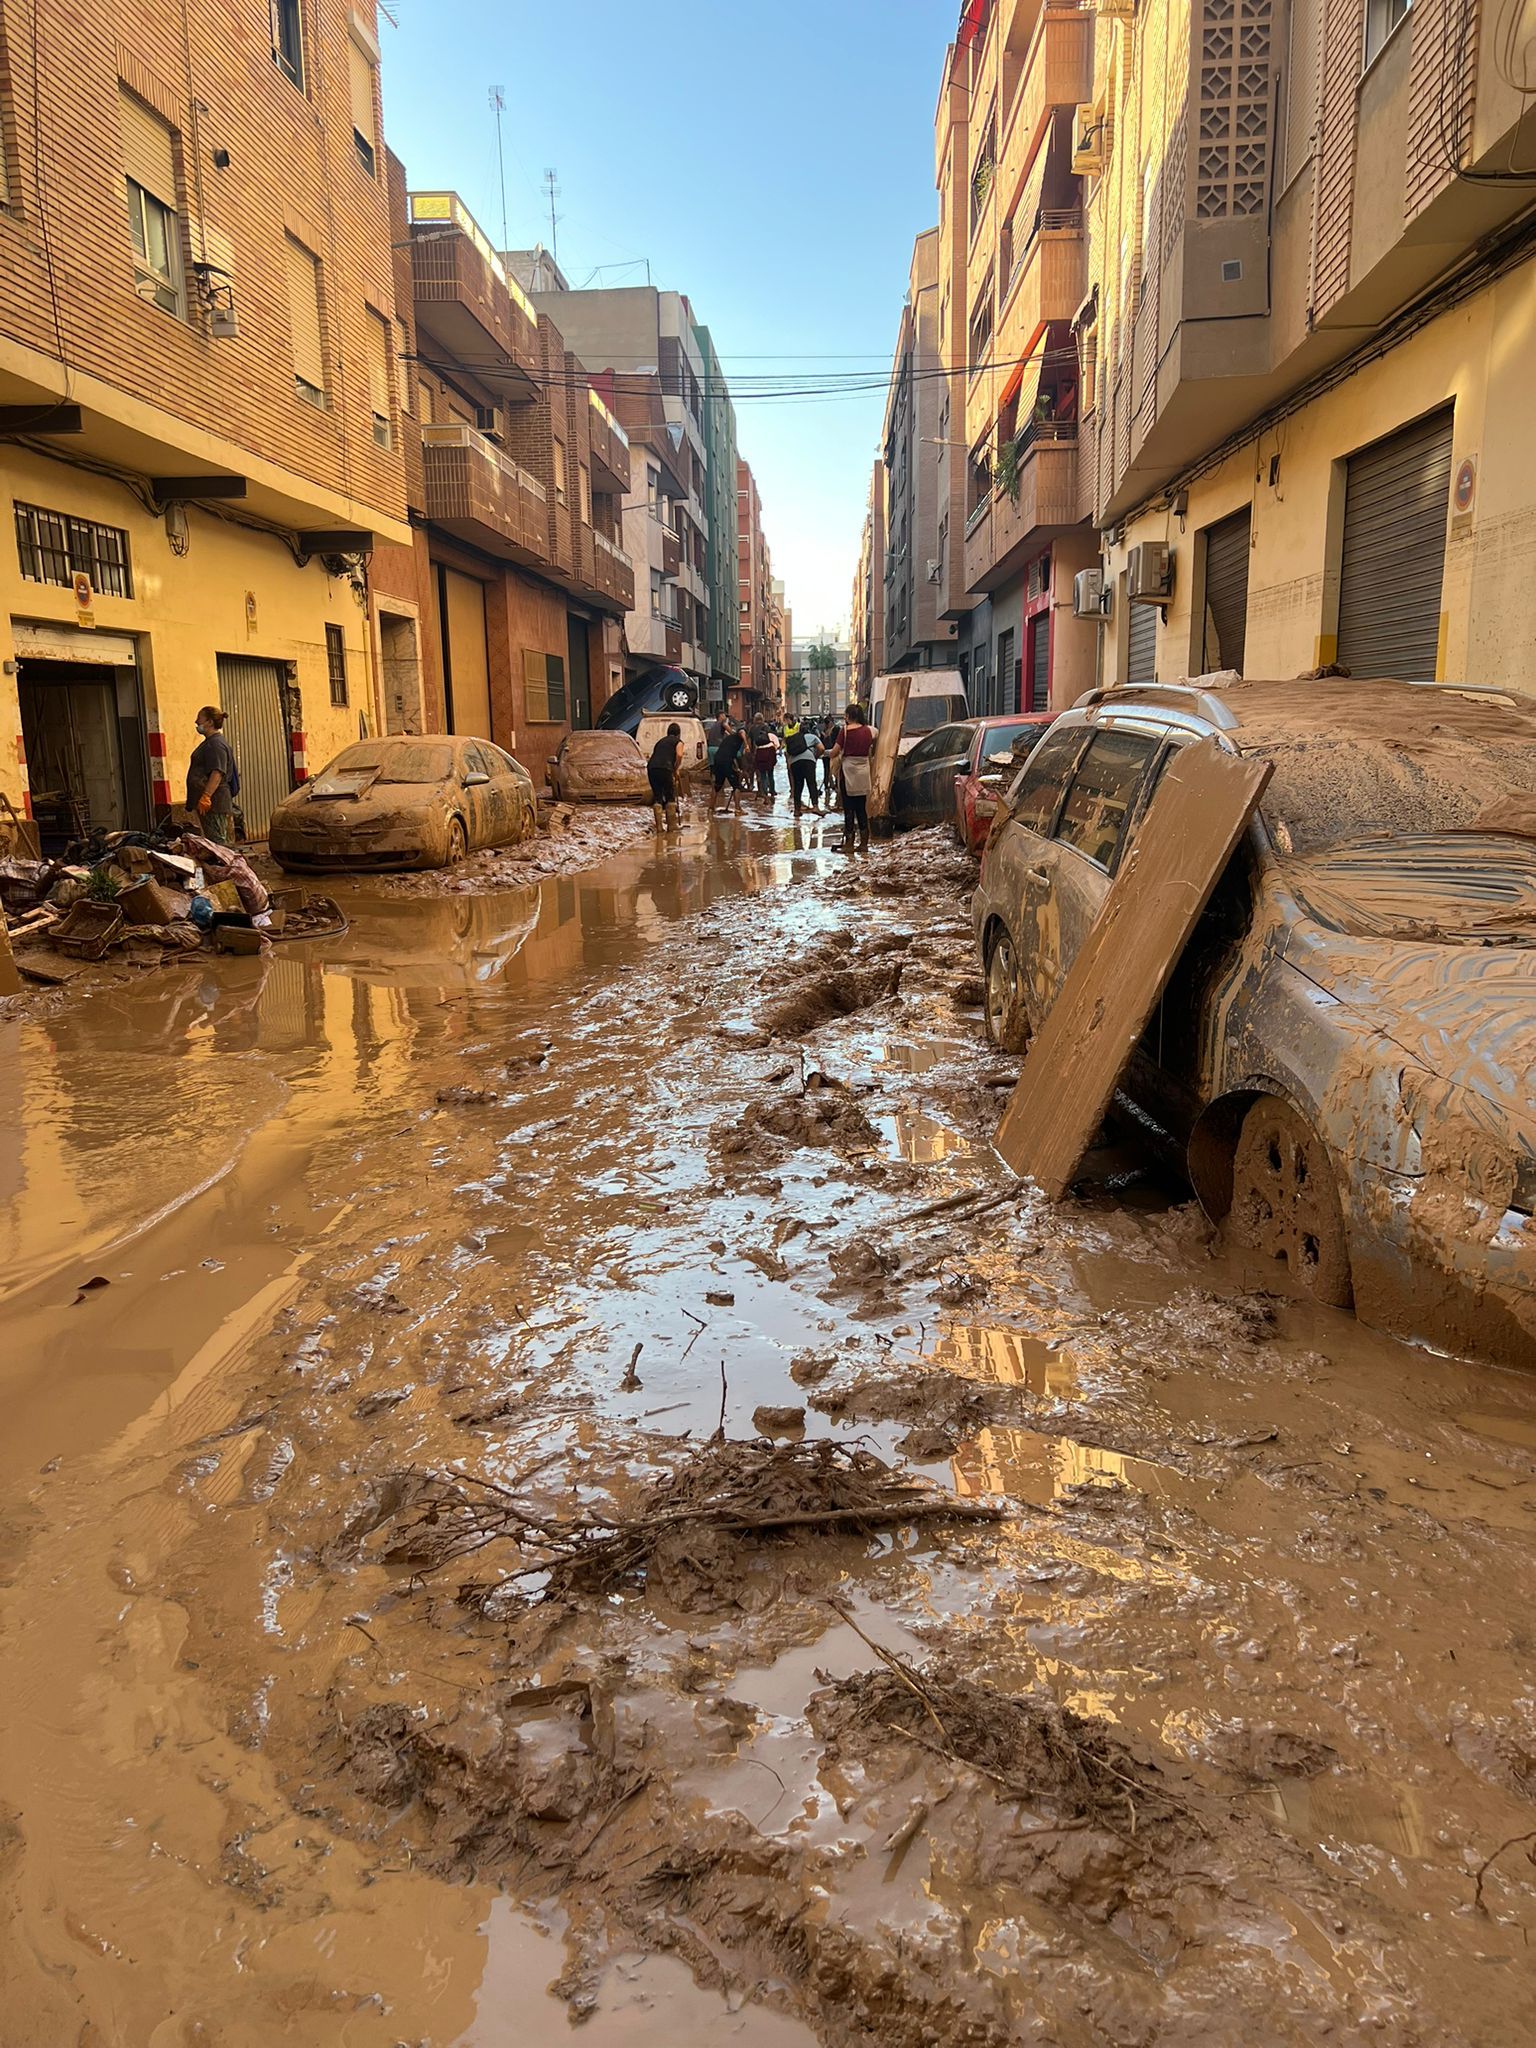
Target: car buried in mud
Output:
[(403, 801), (598, 768), (1346, 1050)]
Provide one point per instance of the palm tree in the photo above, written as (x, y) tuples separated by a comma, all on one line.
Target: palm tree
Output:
[(822, 661)]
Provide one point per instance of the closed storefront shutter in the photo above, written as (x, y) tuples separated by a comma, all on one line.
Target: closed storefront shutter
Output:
[(1395, 503), (254, 697), (304, 312), (1141, 665), (1226, 592), (469, 673), (149, 155)]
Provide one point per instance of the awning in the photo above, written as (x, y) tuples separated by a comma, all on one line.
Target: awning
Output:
[(36, 641)]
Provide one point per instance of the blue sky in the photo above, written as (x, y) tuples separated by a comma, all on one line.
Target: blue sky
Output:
[(773, 162)]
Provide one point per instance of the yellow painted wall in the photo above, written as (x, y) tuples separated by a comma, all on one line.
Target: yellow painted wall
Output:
[(1478, 356), (186, 610)]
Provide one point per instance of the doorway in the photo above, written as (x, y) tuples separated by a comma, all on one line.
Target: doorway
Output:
[(578, 672), (253, 695), (1037, 663), (400, 667), (82, 725), (466, 659)]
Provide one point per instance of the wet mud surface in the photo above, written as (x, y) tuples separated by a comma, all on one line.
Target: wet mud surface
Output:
[(586, 1495)]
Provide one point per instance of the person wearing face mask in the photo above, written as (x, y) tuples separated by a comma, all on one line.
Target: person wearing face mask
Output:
[(210, 776)]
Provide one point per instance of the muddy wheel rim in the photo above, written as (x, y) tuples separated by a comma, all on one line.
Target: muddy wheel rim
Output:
[(1285, 1201), (1001, 1007), (458, 845)]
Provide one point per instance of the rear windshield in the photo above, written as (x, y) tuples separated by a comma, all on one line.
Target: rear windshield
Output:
[(1337, 789), (373, 763), (926, 714)]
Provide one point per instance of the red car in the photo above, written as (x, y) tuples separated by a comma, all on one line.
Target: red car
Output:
[(989, 765)]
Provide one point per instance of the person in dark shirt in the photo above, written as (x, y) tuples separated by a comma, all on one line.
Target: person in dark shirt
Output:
[(661, 770), (727, 755), (210, 773)]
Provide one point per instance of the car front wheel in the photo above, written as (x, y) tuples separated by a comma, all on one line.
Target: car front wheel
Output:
[(458, 841), (1285, 1201), (1007, 1026)]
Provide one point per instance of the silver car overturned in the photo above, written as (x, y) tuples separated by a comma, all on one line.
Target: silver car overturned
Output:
[(1347, 1049)]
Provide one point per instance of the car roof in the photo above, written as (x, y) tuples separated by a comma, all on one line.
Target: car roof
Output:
[(1258, 713)]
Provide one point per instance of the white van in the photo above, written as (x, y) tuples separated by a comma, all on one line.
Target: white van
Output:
[(937, 697)]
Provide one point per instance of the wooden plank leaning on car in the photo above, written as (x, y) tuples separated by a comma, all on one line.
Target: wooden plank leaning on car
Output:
[(882, 766), (1196, 816)]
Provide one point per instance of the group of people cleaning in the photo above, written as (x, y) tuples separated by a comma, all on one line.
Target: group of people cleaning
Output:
[(828, 761)]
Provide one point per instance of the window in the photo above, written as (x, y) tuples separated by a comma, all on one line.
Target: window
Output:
[(380, 392), (1103, 794), (304, 314), (54, 548), (543, 688), (559, 447), (981, 329), (288, 40), (653, 487), (476, 763), (584, 477), (364, 80), (149, 160), (978, 491), (402, 382), (1037, 792), (1381, 17), (336, 664)]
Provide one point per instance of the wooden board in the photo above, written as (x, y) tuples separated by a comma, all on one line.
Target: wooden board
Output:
[(1196, 817), (882, 766)]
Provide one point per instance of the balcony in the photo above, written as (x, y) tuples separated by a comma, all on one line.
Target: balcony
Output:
[(671, 552), (468, 306), (1047, 282), (1003, 532), (480, 495), (1048, 63), (672, 641), (613, 575), (610, 448)]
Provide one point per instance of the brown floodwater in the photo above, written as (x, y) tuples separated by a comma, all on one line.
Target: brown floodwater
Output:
[(1245, 1532)]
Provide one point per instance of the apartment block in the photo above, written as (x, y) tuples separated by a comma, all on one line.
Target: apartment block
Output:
[(199, 396), (1012, 280), (866, 633), (824, 667), (916, 524), (516, 577), (640, 348), (1307, 340), (720, 566)]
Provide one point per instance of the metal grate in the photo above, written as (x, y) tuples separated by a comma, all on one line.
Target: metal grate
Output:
[(55, 548)]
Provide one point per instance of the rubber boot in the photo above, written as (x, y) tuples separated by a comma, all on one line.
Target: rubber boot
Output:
[(673, 822), (660, 816)]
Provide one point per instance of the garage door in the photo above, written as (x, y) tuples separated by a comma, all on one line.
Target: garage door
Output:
[(254, 698), (1226, 591), (467, 665), (1141, 662), (1395, 503)]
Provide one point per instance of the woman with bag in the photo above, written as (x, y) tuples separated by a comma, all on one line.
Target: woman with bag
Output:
[(856, 746)]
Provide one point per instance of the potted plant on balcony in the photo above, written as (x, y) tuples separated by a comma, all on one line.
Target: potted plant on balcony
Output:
[(1007, 470)]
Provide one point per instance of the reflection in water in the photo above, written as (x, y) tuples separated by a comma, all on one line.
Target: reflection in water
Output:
[(920, 1138), (1319, 1810), (1042, 1468), (1008, 1358)]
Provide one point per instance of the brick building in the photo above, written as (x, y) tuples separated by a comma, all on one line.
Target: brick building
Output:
[(515, 580), (758, 688), (198, 396), (916, 526), (866, 632)]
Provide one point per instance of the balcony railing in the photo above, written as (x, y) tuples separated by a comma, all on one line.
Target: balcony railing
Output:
[(613, 573), (607, 418), (480, 494), (449, 209), (466, 303)]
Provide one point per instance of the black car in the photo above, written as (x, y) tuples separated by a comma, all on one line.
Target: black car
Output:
[(660, 689), (923, 789)]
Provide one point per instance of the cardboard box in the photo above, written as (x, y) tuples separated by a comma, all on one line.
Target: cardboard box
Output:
[(152, 903)]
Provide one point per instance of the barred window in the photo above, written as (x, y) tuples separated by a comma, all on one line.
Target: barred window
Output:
[(56, 549), (336, 663)]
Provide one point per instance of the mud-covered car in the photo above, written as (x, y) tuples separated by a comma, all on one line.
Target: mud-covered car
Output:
[(404, 801), (923, 786), (989, 768), (598, 768), (1347, 1048)]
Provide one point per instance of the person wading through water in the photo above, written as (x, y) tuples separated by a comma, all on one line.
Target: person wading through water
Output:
[(801, 747), (662, 771), (727, 754), (211, 778), (856, 746)]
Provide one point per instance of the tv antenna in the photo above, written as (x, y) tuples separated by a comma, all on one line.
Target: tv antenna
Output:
[(498, 105), (552, 193)]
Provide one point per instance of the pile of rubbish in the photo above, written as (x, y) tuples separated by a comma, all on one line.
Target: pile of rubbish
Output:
[(146, 898)]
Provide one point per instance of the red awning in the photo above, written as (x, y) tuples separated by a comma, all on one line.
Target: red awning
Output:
[(972, 17)]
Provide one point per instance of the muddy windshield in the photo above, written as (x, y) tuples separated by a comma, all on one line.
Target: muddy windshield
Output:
[(1458, 886), (1334, 789), (366, 764), (925, 714)]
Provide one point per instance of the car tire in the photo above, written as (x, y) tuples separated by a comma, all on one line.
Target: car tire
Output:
[(677, 697), (1003, 1015), (1285, 1201), (458, 843)]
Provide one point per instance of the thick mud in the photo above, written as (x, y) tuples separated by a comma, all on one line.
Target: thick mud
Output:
[(585, 1494)]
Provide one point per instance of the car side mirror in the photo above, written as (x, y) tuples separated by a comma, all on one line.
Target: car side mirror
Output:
[(475, 780)]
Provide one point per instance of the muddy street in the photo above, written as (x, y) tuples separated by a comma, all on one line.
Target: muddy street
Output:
[(551, 1477)]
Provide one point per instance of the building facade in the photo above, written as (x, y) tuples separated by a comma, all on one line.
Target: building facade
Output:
[(516, 579), (759, 632), (825, 665), (720, 566), (199, 400), (915, 635), (866, 626), (1307, 341)]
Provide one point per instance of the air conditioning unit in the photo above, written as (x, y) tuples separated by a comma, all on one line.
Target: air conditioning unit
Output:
[(489, 421), (1087, 143), (1090, 595), (1149, 573)]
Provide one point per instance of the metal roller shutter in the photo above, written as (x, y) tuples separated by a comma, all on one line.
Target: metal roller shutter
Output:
[(1226, 592), (1396, 497), (254, 697), (1141, 661)]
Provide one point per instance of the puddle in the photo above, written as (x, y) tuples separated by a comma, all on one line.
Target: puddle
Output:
[(1319, 1811), (1008, 1358), (1044, 1469), (918, 1138), (1504, 1425), (912, 1056)]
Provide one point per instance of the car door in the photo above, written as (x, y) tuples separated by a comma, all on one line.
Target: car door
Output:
[(913, 780), (1090, 832), (1018, 871), (514, 792), (482, 805)]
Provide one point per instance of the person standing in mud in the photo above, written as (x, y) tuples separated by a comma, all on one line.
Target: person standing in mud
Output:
[(831, 757), (727, 756), (211, 778), (801, 747), (662, 772), (856, 746)]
